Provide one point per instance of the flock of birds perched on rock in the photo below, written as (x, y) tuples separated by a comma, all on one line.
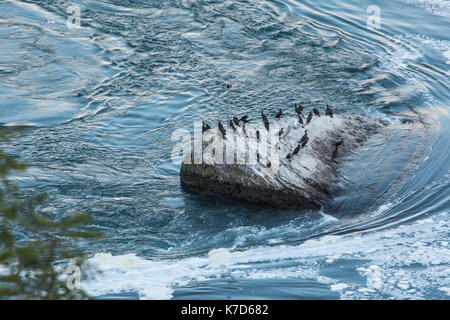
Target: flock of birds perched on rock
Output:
[(235, 122)]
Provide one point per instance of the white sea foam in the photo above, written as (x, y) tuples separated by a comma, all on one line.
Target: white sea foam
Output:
[(421, 41), (436, 7), (404, 262), (339, 286)]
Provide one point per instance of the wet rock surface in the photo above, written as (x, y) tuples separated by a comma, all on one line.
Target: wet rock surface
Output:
[(263, 168)]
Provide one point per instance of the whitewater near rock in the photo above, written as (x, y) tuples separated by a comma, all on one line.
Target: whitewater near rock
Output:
[(253, 164)]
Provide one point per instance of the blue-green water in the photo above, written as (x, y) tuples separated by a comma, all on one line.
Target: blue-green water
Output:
[(103, 100)]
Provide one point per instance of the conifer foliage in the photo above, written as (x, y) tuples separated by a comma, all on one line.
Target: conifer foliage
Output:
[(35, 249)]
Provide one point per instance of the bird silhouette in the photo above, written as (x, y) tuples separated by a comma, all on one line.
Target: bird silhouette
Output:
[(300, 108), (335, 153), (244, 119), (316, 112), (310, 115), (296, 150), (232, 125), (222, 130), (205, 127), (304, 140), (279, 113), (264, 118), (329, 112)]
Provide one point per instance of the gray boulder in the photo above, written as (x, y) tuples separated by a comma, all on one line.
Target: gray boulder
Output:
[(241, 166)]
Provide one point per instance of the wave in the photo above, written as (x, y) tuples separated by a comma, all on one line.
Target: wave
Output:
[(436, 7), (404, 262)]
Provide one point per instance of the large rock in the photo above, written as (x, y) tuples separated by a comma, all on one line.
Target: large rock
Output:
[(302, 181)]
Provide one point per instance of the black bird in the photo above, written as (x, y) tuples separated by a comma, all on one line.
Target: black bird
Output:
[(335, 152), (257, 135), (279, 113), (300, 108), (304, 136), (243, 129), (296, 150), (281, 132), (288, 156), (316, 112), (257, 156), (269, 164), (309, 117), (304, 140), (244, 119), (329, 112), (266, 122), (300, 119), (222, 130), (264, 118), (236, 121), (336, 147), (205, 127), (232, 125)]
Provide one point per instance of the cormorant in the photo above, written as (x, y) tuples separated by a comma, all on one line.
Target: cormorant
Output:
[(205, 127), (288, 156), (281, 132), (304, 140), (266, 122), (329, 112), (304, 136), (244, 119), (335, 152), (257, 156), (279, 113), (269, 164), (300, 108), (296, 150), (316, 112), (236, 121), (264, 118), (257, 135), (309, 117), (300, 119), (222, 130), (232, 125), (336, 146)]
